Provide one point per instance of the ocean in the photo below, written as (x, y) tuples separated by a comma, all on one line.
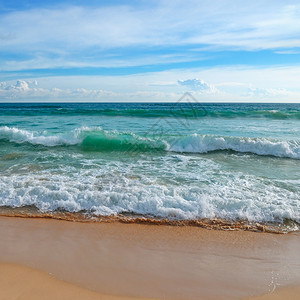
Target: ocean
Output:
[(172, 161)]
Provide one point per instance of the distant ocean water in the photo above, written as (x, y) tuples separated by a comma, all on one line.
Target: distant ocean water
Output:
[(177, 161)]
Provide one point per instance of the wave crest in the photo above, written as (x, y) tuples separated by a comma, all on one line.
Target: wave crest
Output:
[(20, 136), (261, 146), (97, 139), (89, 139)]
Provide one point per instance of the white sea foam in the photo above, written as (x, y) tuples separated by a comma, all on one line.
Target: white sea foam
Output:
[(195, 190), (17, 135)]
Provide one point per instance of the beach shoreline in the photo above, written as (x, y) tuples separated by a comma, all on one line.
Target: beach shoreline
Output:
[(32, 212), (142, 261)]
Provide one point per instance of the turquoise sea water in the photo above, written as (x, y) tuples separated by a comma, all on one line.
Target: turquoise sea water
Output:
[(176, 161)]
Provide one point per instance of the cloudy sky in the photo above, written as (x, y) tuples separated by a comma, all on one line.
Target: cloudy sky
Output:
[(63, 50)]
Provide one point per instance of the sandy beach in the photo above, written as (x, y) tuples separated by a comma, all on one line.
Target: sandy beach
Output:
[(19, 282), (149, 150), (143, 261)]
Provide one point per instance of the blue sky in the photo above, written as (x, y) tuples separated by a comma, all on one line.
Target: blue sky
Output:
[(150, 50)]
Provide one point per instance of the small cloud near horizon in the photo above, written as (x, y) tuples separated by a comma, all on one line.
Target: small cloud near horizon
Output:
[(198, 85)]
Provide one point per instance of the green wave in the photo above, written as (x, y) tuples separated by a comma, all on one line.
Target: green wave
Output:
[(103, 141)]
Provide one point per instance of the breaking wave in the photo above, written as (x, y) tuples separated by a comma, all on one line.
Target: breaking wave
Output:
[(97, 139), (261, 146)]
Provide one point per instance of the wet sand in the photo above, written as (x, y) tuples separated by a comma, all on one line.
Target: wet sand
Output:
[(23, 283), (150, 261), (288, 293)]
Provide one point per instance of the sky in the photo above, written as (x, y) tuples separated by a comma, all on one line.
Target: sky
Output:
[(141, 51)]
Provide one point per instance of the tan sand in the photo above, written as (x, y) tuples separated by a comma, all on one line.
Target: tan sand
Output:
[(290, 293), (23, 283), (147, 261)]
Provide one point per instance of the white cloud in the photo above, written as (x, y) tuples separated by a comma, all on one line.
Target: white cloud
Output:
[(232, 83), (23, 90), (21, 86), (267, 92), (198, 85), (29, 90), (288, 52), (103, 61), (80, 35)]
